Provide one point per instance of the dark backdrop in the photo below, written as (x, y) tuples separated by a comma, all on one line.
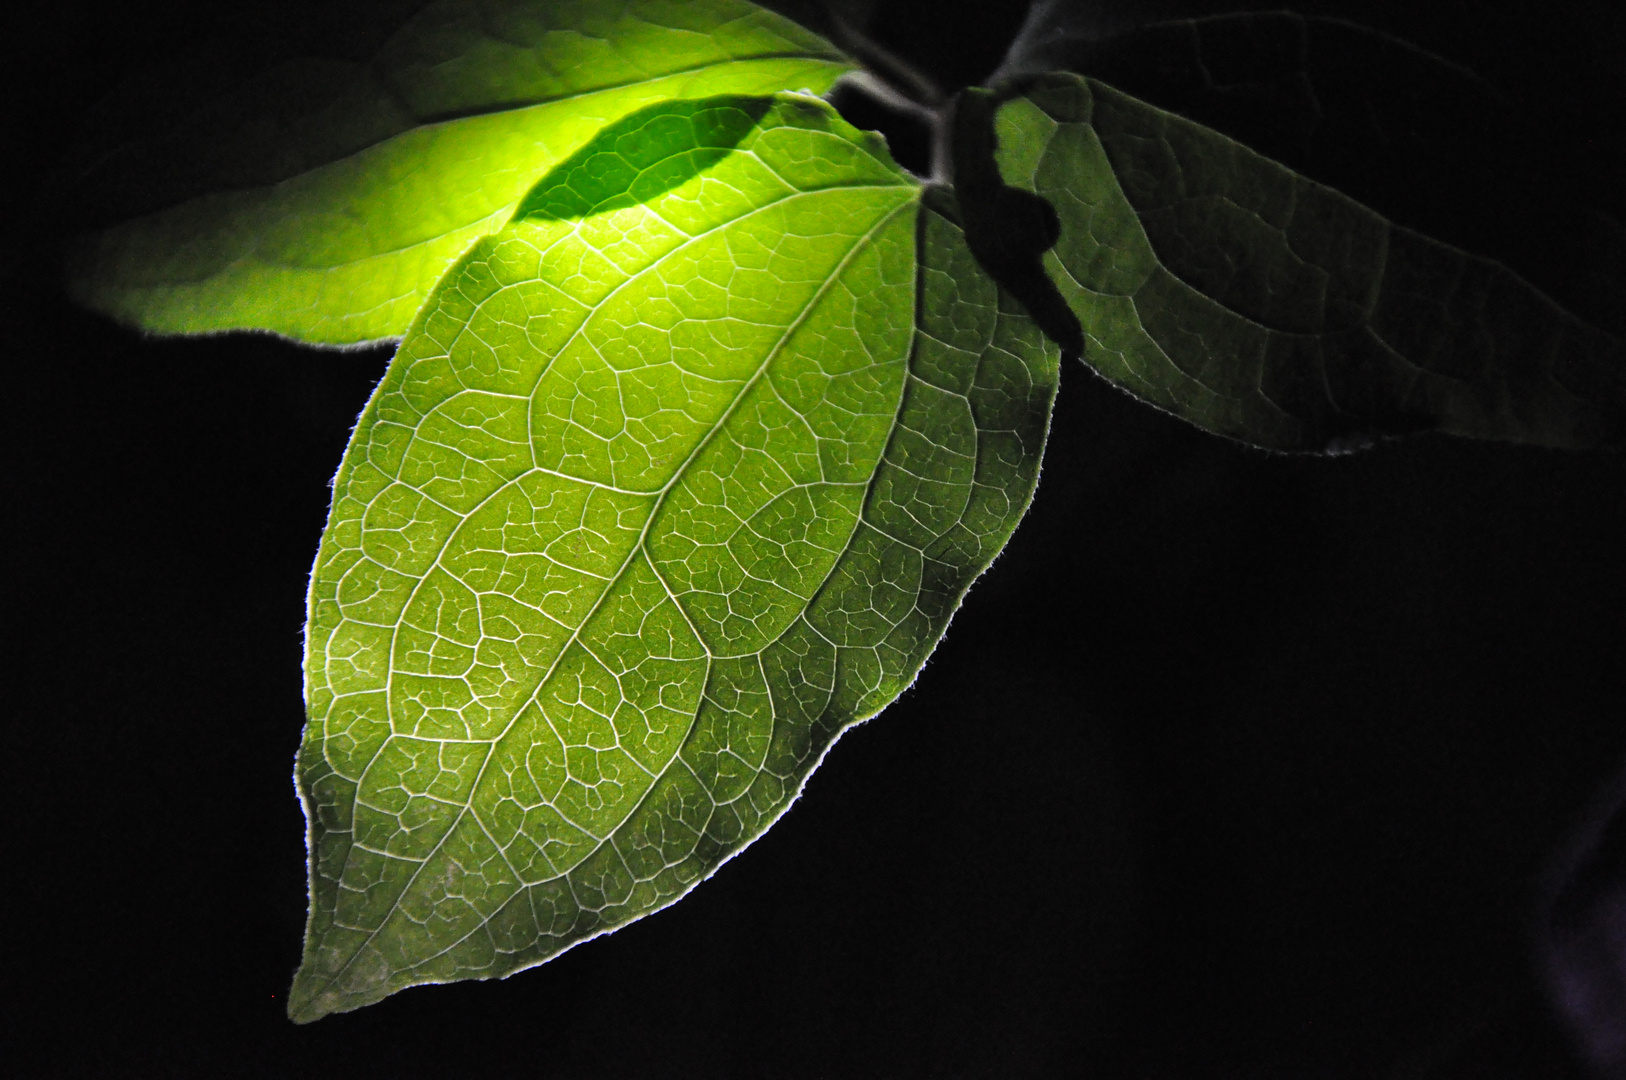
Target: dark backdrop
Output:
[(1233, 765)]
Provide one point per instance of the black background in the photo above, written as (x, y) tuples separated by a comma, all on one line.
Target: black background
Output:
[(1233, 765)]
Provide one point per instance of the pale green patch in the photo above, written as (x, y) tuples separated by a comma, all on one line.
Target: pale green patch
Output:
[(332, 225), (650, 506)]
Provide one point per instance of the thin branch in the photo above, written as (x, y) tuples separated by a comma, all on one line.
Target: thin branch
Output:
[(901, 76)]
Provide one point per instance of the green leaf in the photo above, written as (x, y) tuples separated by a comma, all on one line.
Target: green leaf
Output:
[(651, 505), (1253, 302), (327, 203)]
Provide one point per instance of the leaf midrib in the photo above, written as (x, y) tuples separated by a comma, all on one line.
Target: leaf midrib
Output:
[(465, 114), (426, 124)]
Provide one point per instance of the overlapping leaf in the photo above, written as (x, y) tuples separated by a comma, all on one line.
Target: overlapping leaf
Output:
[(325, 201), (666, 486), (1225, 288), (693, 445)]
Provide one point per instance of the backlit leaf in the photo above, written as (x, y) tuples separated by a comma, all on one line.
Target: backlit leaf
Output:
[(326, 200), (655, 500)]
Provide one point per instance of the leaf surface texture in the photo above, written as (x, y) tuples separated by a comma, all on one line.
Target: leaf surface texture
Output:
[(652, 504)]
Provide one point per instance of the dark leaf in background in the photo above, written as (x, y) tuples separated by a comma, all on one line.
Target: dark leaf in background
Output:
[(1418, 138), (1215, 283)]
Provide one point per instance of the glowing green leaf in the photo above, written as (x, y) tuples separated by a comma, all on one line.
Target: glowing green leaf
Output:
[(1223, 287), (327, 202), (651, 505)]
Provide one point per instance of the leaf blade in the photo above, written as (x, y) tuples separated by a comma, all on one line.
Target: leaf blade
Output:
[(676, 648), (334, 227), (1244, 298)]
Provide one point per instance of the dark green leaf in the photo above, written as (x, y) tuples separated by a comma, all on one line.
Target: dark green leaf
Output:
[(1231, 291), (1397, 128)]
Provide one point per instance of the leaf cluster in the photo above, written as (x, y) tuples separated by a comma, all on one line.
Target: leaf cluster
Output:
[(705, 413)]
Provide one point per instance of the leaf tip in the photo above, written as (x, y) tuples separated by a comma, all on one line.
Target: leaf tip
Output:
[(310, 999), (316, 994)]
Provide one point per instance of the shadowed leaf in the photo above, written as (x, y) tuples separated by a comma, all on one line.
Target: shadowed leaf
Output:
[(1395, 127), (1239, 295), (642, 156)]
